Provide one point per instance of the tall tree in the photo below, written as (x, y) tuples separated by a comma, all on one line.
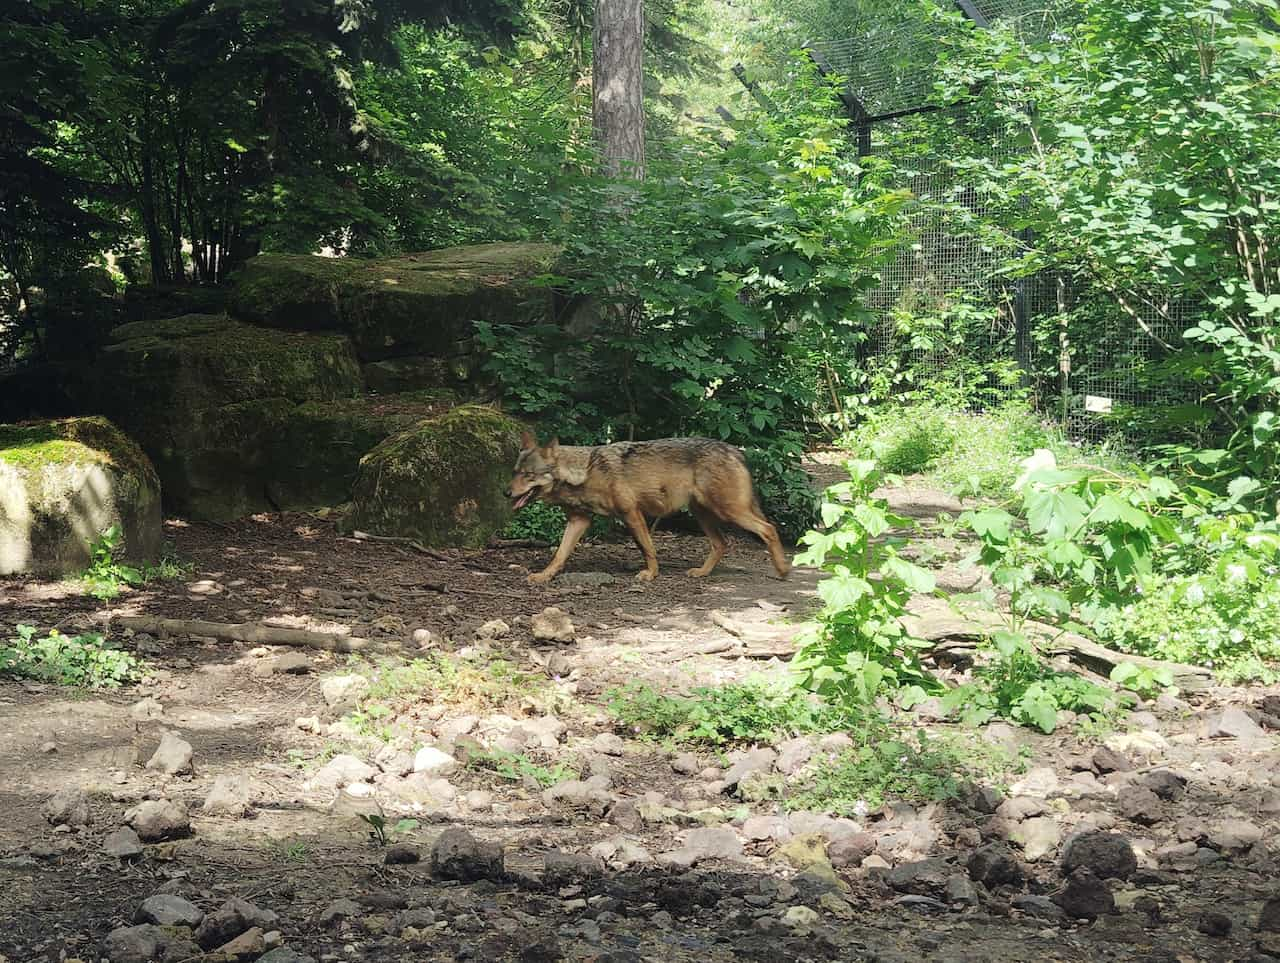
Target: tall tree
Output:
[(617, 85)]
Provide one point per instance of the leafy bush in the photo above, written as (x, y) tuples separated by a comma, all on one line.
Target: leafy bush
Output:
[(1231, 627), (78, 660), (972, 452), (517, 767), (544, 522), (753, 711), (860, 646)]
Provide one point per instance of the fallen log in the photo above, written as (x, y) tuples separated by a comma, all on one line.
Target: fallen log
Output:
[(934, 620), (255, 632)]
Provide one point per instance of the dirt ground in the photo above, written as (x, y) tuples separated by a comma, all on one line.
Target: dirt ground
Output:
[(1206, 843)]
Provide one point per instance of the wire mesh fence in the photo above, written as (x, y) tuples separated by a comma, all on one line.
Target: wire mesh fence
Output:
[(946, 304)]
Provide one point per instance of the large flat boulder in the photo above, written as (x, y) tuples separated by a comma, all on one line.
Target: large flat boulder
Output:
[(418, 304), (211, 400), (63, 483), (441, 481)]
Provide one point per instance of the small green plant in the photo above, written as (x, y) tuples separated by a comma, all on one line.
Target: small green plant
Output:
[(106, 576), (74, 660), (1147, 681), (1018, 686), (380, 830), (517, 767), (751, 711), (860, 646), (545, 523)]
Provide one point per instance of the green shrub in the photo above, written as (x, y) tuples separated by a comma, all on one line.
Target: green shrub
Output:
[(77, 660), (106, 575), (1231, 627), (752, 711)]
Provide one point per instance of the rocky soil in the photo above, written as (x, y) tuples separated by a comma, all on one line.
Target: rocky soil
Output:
[(214, 813)]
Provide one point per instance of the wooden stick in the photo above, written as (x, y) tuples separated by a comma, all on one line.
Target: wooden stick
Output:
[(250, 632)]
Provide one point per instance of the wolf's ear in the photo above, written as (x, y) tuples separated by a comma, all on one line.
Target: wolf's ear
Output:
[(527, 441)]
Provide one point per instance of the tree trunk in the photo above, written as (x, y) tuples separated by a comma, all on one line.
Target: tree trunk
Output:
[(617, 86)]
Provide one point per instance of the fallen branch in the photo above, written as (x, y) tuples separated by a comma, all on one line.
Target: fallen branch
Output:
[(413, 543), (754, 633), (255, 632), (496, 542), (935, 621)]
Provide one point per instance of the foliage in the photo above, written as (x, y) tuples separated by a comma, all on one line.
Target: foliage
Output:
[(972, 452), (77, 660), (1146, 182), (726, 286), (544, 522), (752, 711), (389, 706), (1018, 686), (106, 576), (517, 767), (1231, 626), (887, 764), (380, 830), (860, 646)]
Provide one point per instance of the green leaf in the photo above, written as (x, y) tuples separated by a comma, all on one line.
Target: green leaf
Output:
[(918, 580)]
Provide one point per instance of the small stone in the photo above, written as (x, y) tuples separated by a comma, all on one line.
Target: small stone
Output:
[(620, 853), (753, 760), (800, 917), (710, 842), (576, 794), (1140, 805), (343, 770), (1269, 917), (147, 943), (1167, 785), (568, 869), (493, 629), (123, 843), (232, 918), (1232, 723), (458, 855), (67, 807), (924, 877), (229, 796), (344, 691), (961, 891), (400, 855), (609, 744), (249, 943), (995, 865), (478, 800), (173, 755), (158, 819), (851, 850), (1041, 783), (1106, 760), (282, 954), (1085, 896), (1215, 924), (1106, 855), (552, 625), (145, 710), (169, 910), (1039, 907), (424, 638), (48, 748), (340, 909), (432, 762), (1038, 837), (793, 754), (1235, 836)]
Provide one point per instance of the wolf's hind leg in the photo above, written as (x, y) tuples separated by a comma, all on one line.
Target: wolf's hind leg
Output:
[(711, 529)]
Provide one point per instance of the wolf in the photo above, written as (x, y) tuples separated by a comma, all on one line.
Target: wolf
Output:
[(632, 480)]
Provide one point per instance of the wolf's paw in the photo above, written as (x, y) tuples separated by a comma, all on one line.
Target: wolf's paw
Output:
[(539, 578), (698, 572), (644, 575)]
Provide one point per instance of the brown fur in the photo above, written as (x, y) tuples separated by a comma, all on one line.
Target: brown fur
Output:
[(633, 480)]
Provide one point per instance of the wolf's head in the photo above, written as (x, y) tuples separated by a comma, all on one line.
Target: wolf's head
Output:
[(535, 471)]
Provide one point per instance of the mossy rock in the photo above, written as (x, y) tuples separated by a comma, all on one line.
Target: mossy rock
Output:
[(396, 375), (419, 304), (441, 481), (320, 446), (209, 399), (62, 483)]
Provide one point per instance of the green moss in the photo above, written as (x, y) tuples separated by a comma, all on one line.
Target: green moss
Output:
[(440, 481), (70, 441), (418, 304)]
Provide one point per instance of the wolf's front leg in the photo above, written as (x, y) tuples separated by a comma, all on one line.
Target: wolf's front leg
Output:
[(574, 529), (640, 532)]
